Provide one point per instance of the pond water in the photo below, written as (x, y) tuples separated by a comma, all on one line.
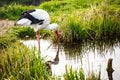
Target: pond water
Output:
[(91, 56)]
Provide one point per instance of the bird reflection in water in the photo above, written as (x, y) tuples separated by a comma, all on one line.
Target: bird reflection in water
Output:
[(55, 61)]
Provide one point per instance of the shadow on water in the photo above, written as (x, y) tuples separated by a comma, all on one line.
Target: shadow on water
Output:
[(92, 56), (102, 47)]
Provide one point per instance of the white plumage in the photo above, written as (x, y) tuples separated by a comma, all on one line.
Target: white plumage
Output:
[(38, 19), (37, 14), (41, 14)]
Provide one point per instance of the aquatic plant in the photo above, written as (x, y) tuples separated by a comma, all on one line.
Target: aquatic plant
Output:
[(94, 76), (70, 74)]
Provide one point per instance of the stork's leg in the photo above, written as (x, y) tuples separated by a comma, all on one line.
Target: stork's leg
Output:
[(38, 39), (57, 55), (57, 34)]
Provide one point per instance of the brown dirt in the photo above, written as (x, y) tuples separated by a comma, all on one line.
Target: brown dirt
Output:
[(4, 24)]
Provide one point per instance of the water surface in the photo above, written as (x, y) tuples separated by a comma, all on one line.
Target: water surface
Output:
[(92, 56)]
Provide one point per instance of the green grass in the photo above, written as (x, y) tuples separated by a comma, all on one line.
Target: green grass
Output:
[(22, 32), (89, 20), (18, 62), (7, 38), (74, 75), (25, 2), (94, 75), (15, 33), (13, 11), (78, 20), (71, 74), (94, 23)]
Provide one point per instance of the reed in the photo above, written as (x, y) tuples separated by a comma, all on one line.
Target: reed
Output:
[(19, 62), (94, 76), (74, 75), (95, 23)]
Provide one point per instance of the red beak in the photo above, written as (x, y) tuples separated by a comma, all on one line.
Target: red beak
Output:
[(57, 33)]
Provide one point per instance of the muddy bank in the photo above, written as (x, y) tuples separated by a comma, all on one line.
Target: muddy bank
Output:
[(4, 24)]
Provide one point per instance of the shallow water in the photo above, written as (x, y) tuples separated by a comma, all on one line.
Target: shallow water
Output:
[(92, 57)]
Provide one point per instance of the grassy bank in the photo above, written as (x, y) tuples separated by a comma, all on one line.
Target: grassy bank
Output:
[(71, 74), (89, 20), (95, 23), (78, 20), (74, 74), (13, 34), (13, 11), (94, 20), (18, 62)]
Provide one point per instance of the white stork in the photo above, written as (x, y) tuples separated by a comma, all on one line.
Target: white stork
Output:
[(38, 19)]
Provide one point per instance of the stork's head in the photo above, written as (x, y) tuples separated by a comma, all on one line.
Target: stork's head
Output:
[(54, 27)]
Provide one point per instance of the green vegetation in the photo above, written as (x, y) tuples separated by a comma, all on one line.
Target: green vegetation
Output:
[(78, 20), (23, 32), (71, 74), (74, 75), (89, 20), (93, 76), (19, 63), (13, 11), (7, 38), (94, 24), (85, 20), (23, 2), (12, 34)]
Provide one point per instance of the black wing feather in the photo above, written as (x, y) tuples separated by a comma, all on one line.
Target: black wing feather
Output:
[(30, 17)]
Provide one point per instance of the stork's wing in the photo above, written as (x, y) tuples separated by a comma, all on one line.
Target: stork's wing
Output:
[(41, 15), (32, 16), (34, 20)]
